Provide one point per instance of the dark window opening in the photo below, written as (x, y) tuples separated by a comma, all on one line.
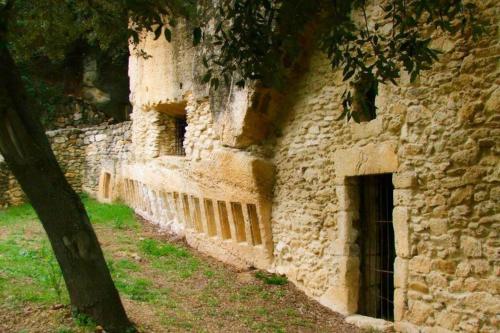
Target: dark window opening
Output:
[(377, 247), (180, 134), (365, 94)]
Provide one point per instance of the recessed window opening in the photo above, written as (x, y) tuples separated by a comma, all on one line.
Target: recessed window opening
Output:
[(180, 134), (187, 213), (377, 247), (197, 215), (177, 204), (106, 185), (224, 220), (171, 123), (239, 222), (254, 224), (166, 204), (209, 211), (365, 94)]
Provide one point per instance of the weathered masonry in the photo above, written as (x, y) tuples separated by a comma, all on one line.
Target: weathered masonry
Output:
[(393, 222)]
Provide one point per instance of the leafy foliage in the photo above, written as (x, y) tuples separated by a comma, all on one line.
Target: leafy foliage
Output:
[(251, 40), (262, 39), (50, 38)]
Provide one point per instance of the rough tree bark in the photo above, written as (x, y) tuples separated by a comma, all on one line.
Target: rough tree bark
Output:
[(29, 156)]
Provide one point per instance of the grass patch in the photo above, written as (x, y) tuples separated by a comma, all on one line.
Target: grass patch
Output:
[(118, 216), (170, 258), (29, 272), (83, 320), (273, 279), (17, 214), (155, 248), (173, 287), (125, 264), (137, 289)]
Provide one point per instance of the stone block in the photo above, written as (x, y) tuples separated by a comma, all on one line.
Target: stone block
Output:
[(404, 180), (460, 195), (403, 197), (345, 232), (492, 105), (366, 160), (419, 264), (445, 266), (438, 226), (470, 246), (401, 273), (401, 231), (463, 269), (406, 327), (367, 129), (419, 312), (447, 319), (342, 299), (400, 297), (347, 197), (370, 324)]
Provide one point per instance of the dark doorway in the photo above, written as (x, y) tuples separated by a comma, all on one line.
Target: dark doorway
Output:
[(377, 247), (180, 134)]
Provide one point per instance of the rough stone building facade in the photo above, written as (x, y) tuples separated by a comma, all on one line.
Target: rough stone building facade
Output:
[(393, 222), (276, 182)]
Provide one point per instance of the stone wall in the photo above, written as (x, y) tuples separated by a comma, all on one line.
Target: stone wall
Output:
[(107, 147), (10, 192), (217, 195), (74, 112), (291, 203), (82, 154), (439, 138)]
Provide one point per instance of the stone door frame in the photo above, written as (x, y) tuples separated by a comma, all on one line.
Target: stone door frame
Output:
[(350, 163)]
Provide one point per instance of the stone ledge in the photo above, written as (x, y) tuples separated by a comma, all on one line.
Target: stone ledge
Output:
[(370, 323)]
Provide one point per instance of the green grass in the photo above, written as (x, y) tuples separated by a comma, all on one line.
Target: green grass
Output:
[(273, 279), (28, 269), (117, 216), (29, 272), (154, 248), (16, 215), (178, 288), (169, 258)]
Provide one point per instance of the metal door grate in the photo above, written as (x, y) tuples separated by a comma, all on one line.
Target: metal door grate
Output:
[(377, 247)]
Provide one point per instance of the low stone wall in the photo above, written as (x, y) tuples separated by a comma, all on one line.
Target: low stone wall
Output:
[(81, 154), (73, 113)]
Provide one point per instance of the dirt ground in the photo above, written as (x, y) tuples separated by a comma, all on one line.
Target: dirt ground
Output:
[(167, 287)]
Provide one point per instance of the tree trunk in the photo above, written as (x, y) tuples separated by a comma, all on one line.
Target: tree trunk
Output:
[(29, 156)]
